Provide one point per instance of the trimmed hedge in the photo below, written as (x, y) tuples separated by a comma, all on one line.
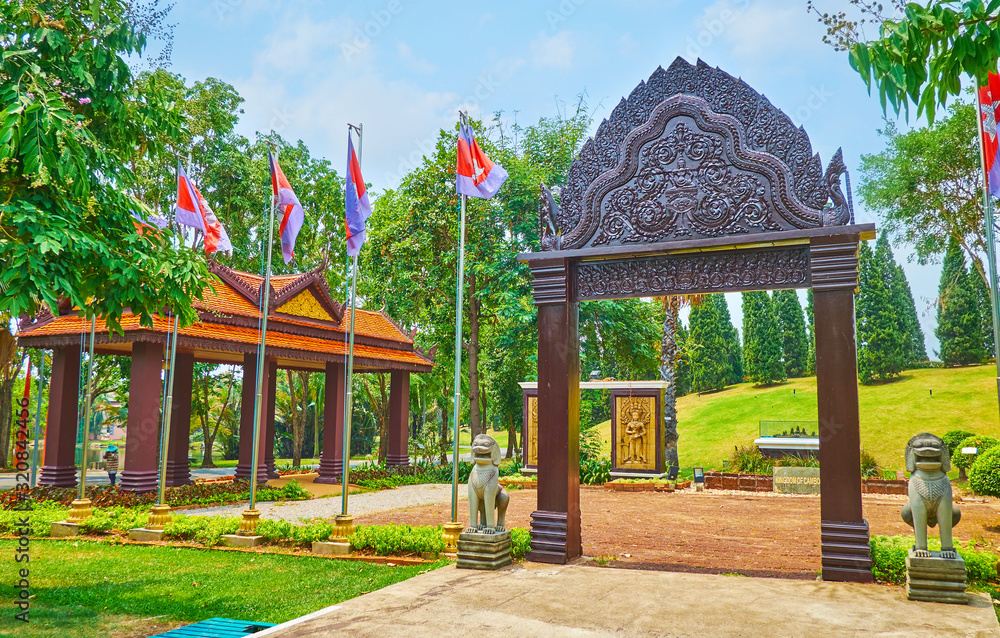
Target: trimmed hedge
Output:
[(984, 477), (889, 559), (983, 443)]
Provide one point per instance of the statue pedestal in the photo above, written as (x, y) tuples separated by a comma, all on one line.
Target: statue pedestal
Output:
[(481, 550), (935, 579)]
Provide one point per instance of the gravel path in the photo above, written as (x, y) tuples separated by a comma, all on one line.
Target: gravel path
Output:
[(326, 508)]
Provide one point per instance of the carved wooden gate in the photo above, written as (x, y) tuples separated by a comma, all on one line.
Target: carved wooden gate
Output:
[(697, 184)]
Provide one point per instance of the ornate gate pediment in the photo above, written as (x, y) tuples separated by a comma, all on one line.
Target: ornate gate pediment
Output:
[(693, 153)]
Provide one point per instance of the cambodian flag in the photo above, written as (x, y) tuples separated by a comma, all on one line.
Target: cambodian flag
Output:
[(475, 174), (292, 215), (356, 207), (989, 98), (193, 211)]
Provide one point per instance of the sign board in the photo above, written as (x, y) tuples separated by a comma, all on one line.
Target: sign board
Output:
[(970, 450), (796, 480)]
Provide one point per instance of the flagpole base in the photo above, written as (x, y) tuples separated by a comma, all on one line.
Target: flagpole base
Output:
[(450, 534), (159, 517), (80, 510), (343, 528), (248, 524)]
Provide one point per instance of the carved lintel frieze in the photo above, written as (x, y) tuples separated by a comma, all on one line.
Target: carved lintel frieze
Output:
[(721, 271)]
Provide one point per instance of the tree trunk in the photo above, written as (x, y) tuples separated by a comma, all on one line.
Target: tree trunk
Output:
[(316, 411), (300, 432), (511, 438), (206, 434), (668, 373), (444, 433), (10, 366), (475, 413)]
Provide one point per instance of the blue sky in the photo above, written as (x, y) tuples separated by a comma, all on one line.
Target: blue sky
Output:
[(404, 69)]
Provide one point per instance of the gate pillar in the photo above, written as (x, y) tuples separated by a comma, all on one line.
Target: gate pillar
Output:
[(844, 531), (555, 525)]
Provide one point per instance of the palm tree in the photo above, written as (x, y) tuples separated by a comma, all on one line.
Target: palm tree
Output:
[(668, 368)]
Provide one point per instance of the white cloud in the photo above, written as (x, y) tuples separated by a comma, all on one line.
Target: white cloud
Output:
[(627, 46), (756, 31), (412, 62), (554, 52), (305, 87), (487, 17)]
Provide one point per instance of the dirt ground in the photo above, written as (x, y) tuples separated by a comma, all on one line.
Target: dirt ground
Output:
[(709, 532)]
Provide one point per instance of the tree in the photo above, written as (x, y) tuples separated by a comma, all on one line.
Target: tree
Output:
[(709, 357), (212, 404), (927, 186), (882, 342), (959, 321), (985, 314), (906, 310), (761, 340), (683, 378), (792, 325), (733, 347), (75, 120), (921, 50), (811, 317)]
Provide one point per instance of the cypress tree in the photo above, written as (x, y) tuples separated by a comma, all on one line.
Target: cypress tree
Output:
[(906, 309), (761, 340), (792, 324), (683, 374), (959, 319), (882, 342), (709, 359), (811, 318), (733, 347), (985, 311)]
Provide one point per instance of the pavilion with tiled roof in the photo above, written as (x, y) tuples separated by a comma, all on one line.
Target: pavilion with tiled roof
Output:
[(307, 330)]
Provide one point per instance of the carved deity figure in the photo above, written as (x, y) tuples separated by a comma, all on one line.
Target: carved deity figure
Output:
[(635, 439), (930, 501)]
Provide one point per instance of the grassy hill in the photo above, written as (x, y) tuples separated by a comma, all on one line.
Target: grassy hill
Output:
[(934, 400)]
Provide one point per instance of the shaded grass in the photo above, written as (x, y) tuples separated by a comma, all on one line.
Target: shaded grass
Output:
[(963, 398), (84, 588)]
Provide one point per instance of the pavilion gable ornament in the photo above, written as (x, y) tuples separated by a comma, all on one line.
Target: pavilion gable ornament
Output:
[(692, 153)]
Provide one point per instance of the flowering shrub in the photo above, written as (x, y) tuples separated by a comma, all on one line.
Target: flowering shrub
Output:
[(102, 496)]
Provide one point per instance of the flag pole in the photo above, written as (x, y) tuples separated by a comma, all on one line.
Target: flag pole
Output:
[(456, 410), (251, 515), (160, 515), (80, 509), (991, 258), (344, 522)]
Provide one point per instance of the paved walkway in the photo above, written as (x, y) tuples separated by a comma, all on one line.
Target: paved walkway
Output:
[(326, 508), (582, 600)]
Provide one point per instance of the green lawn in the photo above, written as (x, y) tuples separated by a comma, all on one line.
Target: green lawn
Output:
[(85, 588), (500, 436), (963, 398)]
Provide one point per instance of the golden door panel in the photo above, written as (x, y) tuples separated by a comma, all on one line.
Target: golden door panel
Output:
[(532, 432), (636, 433)]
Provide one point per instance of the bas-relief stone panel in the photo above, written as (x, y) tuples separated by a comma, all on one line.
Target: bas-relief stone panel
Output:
[(635, 448)]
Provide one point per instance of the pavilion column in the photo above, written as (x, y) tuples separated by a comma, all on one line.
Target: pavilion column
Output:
[(59, 463), (272, 380), (142, 429), (331, 462), (555, 525), (245, 465), (178, 466), (844, 531), (398, 453)]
